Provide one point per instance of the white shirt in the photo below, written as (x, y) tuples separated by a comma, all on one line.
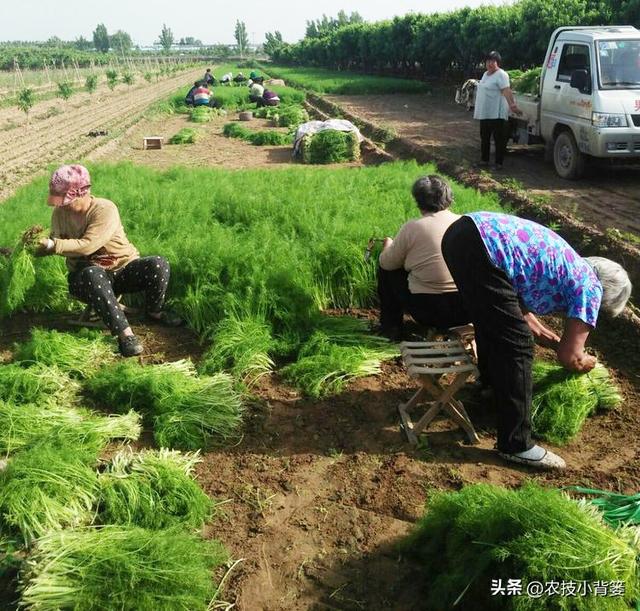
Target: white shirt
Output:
[(490, 103)]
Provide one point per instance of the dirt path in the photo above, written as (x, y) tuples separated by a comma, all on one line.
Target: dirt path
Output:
[(26, 151), (607, 197)]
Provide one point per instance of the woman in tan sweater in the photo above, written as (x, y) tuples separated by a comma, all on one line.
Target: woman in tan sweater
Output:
[(413, 276), (102, 263)]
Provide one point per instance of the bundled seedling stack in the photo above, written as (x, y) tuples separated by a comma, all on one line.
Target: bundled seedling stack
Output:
[(341, 350), (18, 273), (185, 136), (483, 533), (330, 146), (121, 567), (260, 138), (152, 489), (122, 536), (526, 82), (186, 411), (562, 401)]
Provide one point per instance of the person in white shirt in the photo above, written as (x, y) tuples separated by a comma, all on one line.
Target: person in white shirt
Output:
[(494, 99), (413, 276)]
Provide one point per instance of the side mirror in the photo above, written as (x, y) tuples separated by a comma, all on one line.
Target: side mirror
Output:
[(580, 81)]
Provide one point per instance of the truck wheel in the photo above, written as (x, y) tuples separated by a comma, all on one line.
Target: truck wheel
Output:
[(567, 158)]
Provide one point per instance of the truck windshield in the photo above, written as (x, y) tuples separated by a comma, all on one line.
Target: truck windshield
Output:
[(619, 64)]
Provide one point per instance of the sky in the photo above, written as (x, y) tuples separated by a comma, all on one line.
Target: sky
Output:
[(212, 21)]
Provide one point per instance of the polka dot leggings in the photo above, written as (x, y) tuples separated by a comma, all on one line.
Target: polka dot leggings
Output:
[(97, 287)]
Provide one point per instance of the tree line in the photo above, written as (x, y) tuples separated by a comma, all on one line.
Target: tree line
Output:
[(446, 43)]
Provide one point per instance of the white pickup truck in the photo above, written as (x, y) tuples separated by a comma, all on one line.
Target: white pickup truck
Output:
[(589, 98)]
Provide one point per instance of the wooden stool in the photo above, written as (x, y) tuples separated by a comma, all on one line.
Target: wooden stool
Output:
[(152, 142), (430, 363)]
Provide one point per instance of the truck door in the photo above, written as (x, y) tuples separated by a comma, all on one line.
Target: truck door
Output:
[(566, 104)]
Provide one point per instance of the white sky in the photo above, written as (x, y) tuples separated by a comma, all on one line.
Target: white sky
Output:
[(211, 21)]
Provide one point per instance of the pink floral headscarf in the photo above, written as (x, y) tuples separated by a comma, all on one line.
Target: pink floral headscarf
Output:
[(68, 182)]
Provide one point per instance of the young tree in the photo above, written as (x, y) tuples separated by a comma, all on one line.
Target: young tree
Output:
[(65, 90), (101, 38), (242, 38), (166, 38), (91, 83), (112, 79), (273, 43), (121, 42), (26, 100)]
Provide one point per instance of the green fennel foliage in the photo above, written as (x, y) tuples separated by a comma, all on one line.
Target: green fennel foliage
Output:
[(35, 384), (153, 489), (346, 83), (185, 136), (78, 354), (121, 567), (259, 138), (25, 425), (186, 411), (483, 532), (330, 146), (47, 486), (241, 346), (562, 400), (285, 252)]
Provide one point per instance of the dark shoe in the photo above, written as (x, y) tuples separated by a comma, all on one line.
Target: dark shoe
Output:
[(130, 346), (392, 333), (166, 318), (498, 167), (483, 164)]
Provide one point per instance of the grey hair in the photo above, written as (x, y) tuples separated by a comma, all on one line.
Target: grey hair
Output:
[(616, 286), (432, 193)]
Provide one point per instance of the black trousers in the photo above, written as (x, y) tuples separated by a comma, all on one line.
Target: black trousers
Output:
[(96, 286), (442, 310), (498, 129), (504, 341)]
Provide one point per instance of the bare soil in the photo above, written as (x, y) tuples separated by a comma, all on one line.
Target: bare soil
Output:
[(607, 197)]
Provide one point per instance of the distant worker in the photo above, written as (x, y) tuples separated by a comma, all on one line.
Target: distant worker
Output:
[(508, 269), (227, 78), (412, 276), (269, 98), (493, 101), (256, 91), (253, 77), (188, 99), (239, 78), (102, 263), (201, 95), (209, 79)]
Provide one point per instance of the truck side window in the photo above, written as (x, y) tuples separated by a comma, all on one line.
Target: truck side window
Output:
[(574, 57)]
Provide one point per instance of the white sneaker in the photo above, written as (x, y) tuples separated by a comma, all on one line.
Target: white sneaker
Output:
[(537, 457)]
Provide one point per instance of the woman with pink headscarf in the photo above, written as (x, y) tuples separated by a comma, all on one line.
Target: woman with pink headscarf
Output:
[(102, 263)]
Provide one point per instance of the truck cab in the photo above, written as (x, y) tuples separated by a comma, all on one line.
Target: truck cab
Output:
[(589, 98)]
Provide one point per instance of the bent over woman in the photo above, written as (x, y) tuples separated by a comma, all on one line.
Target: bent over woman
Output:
[(508, 269), (102, 263)]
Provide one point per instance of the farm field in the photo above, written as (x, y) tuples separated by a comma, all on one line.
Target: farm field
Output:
[(345, 83), (317, 491), (62, 135)]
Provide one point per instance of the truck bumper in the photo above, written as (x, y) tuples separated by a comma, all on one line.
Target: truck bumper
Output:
[(615, 142)]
